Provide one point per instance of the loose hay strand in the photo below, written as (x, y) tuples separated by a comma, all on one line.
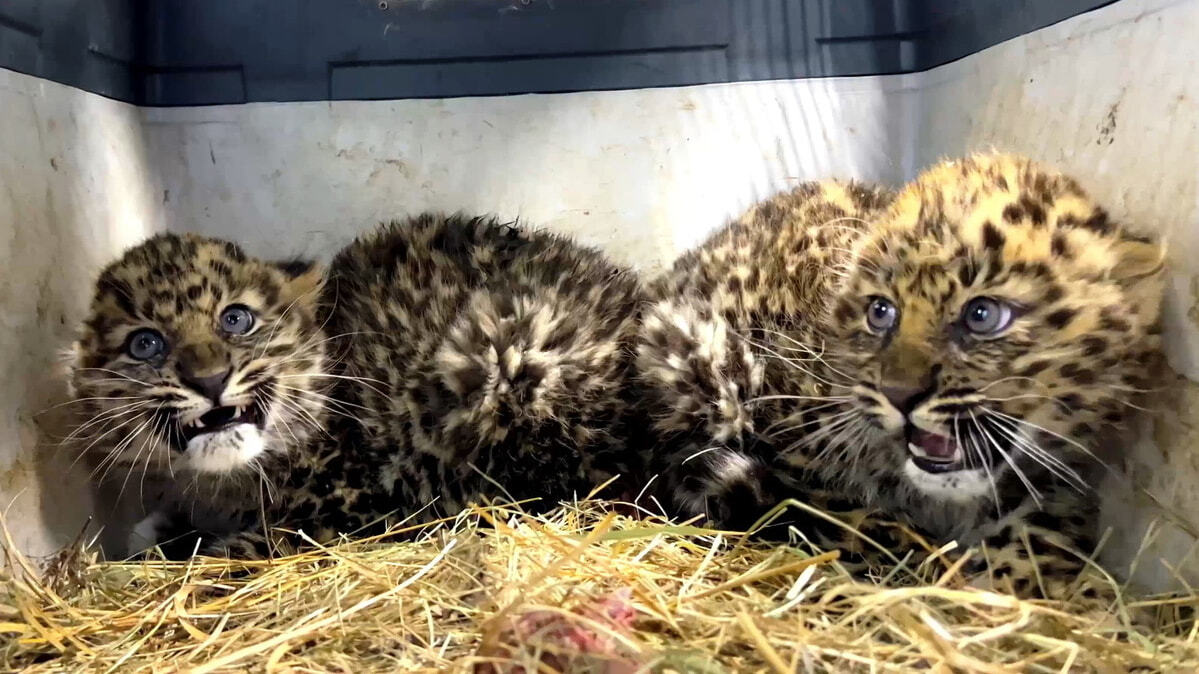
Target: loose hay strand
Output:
[(580, 589)]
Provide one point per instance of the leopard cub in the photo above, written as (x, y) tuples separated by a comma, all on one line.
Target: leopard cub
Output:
[(436, 362), (946, 361)]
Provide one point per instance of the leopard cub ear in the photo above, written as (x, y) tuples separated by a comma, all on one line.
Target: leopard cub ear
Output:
[(304, 277), (1138, 270), (1137, 258)]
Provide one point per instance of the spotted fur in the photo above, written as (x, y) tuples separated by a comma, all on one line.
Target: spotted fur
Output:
[(768, 381), (446, 360), (178, 285)]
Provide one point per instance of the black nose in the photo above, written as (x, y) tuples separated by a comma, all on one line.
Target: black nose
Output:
[(902, 397), (211, 386)]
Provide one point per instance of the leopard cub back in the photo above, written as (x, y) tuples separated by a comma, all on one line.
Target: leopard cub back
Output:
[(487, 359)]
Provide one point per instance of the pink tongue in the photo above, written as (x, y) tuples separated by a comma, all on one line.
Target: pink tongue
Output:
[(937, 446)]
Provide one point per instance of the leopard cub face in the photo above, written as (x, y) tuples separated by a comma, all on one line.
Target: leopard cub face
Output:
[(993, 326), (196, 357)]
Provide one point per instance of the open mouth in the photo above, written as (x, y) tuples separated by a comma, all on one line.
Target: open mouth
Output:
[(934, 453), (220, 418)]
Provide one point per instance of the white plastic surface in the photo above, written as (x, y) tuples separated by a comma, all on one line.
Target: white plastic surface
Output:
[(1111, 96)]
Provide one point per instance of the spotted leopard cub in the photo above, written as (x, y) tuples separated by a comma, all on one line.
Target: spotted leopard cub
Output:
[(945, 361), (436, 362), (196, 372)]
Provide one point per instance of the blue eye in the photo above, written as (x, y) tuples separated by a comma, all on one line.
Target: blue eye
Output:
[(145, 344), (881, 314), (237, 319), (986, 316)]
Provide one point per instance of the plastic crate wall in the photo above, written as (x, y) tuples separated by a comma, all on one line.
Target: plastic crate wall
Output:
[(1109, 96)]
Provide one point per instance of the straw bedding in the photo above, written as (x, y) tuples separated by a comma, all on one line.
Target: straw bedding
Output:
[(584, 589)]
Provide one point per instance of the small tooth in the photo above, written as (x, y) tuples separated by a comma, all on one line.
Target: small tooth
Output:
[(237, 411), (198, 423)]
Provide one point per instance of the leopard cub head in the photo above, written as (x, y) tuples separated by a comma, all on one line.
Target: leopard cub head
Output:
[(996, 324), (197, 357)]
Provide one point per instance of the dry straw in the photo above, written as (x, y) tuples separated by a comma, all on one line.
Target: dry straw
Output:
[(583, 589)]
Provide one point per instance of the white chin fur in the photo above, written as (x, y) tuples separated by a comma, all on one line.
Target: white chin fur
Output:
[(959, 486), (225, 451)]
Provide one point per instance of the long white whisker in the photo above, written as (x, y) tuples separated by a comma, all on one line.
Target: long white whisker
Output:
[(982, 458), (800, 346), (1042, 429), (76, 401), (120, 449), (152, 439), (1032, 491), (122, 375), (822, 419), (326, 375), (823, 433), (86, 449), (791, 397), (320, 396), (798, 417), (301, 413), (103, 416), (1043, 458), (278, 321)]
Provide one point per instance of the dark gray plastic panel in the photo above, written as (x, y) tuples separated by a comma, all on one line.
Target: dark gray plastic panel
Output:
[(86, 44), (198, 52)]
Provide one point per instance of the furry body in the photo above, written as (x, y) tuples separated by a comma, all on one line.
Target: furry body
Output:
[(769, 380), (437, 362)]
